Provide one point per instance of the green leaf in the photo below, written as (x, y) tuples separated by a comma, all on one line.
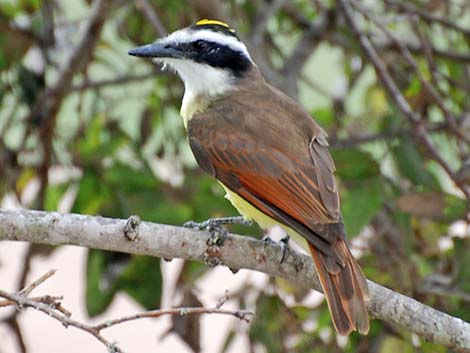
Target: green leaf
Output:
[(360, 203), (129, 179), (142, 279), (411, 165), (353, 164), (92, 194), (101, 140), (377, 102), (324, 116), (392, 344), (455, 208), (88, 145), (110, 272), (54, 194), (414, 88), (98, 296), (429, 347), (31, 85), (269, 326), (14, 44), (462, 263)]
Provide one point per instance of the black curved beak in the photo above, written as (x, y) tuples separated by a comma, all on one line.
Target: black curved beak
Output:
[(157, 50)]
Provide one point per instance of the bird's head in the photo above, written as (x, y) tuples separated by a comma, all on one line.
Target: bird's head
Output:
[(208, 56)]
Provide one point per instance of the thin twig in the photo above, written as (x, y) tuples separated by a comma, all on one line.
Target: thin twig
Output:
[(222, 300), (30, 287), (148, 11), (244, 315), (425, 43)]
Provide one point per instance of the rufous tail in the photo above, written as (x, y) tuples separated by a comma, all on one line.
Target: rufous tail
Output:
[(345, 288)]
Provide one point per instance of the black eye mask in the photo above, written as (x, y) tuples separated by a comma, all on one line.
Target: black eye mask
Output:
[(216, 55)]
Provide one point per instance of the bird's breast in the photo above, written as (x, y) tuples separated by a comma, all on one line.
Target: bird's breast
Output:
[(191, 105)]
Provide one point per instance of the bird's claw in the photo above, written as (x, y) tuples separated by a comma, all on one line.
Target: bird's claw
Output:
[(267, 240), (218, 235), (283, 244), (194, 225)]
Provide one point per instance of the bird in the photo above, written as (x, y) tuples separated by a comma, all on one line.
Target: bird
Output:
[(270, 156)]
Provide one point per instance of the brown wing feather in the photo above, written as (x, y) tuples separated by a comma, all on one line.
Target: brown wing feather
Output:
[(284, 169), (325, 169)]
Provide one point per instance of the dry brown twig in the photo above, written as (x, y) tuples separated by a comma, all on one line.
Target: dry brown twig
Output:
[(152, 17), (51, 306)]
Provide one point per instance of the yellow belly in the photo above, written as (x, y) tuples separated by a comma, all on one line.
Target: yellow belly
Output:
[(264, 221)]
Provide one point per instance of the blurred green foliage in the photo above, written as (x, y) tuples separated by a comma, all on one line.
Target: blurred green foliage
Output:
[(119, 148)]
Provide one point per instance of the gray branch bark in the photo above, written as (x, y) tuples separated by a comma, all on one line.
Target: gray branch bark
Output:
[(237, 252)]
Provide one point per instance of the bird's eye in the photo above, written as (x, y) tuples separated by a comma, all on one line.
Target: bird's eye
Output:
[(198, 45)]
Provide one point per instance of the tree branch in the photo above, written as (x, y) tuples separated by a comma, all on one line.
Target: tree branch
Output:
[(52, 307), (237, 252)]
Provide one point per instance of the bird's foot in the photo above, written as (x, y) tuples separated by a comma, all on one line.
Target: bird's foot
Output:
[(214, 226), (218, 235), (283, 244)]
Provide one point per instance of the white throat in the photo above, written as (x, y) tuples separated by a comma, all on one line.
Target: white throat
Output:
[(202, 84)]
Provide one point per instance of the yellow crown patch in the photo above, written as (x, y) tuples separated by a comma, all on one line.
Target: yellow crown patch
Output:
[(214, 22), (211, 22)]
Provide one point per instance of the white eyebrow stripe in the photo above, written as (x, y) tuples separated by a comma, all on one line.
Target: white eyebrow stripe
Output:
[(186, 35)]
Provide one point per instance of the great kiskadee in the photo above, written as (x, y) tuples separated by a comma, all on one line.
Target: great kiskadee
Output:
[(268, 153)]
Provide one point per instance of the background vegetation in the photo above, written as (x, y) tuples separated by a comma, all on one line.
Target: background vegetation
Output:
[(87, 129)]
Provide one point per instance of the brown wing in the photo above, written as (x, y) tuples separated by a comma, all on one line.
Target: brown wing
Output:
[(279, 183)]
